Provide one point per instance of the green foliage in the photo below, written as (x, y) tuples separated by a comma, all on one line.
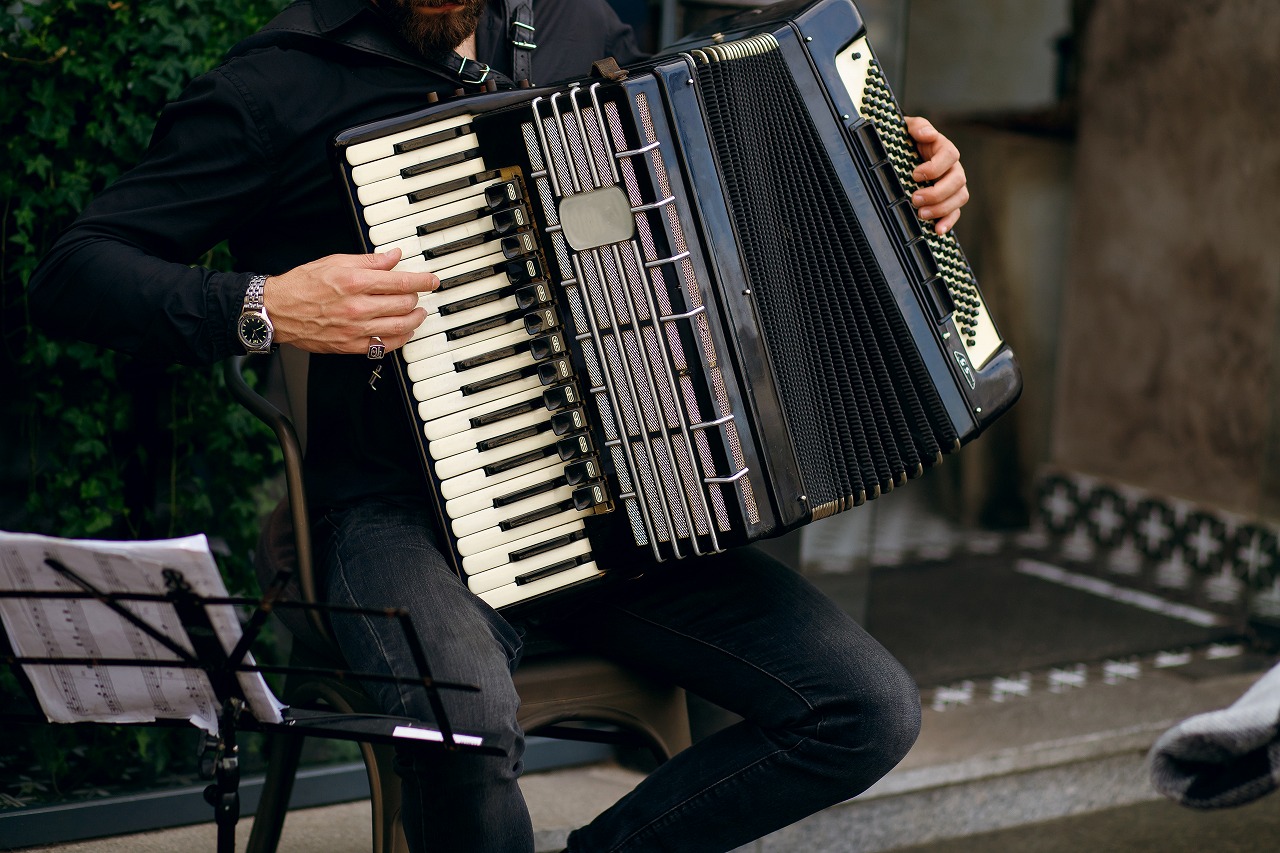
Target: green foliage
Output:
[(106, 446)]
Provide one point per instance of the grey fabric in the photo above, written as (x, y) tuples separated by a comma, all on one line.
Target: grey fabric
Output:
[(1223, 758)]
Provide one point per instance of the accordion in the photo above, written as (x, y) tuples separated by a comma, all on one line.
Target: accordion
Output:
[(683, 307)]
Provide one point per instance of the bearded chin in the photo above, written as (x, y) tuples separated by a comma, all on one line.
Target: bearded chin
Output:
[(435, 33)]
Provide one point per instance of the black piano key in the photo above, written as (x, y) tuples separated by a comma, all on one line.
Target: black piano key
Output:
[(543, 547), (503, 195), (517, 272), (532, 295), (490, 357), (590, 497), (553, 569), (521, 460), (582, 471), (574, 447), (536, 515), (543, 320), (446, 187), (571, 420), (431, 139), (456, 246), (500, 379), (494, 322), (508, 221), (506, 412), (547, 346), (512, 437), (518, 245), (438, 163), (524, 272), (441, 224), (532, 491), (557, 370), (561, 396), (472, 302)]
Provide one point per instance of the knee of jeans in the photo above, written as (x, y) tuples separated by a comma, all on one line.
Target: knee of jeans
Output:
[(878, 720)]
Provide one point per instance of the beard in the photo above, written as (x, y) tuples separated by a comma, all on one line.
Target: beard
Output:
[(433, 32)]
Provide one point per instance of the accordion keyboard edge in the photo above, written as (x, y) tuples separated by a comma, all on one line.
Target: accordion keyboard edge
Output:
[(679, 312)]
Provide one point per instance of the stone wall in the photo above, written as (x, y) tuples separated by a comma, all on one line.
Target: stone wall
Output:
[(1169, 367)]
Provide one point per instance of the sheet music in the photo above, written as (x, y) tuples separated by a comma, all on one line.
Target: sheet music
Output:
[(85, 628)]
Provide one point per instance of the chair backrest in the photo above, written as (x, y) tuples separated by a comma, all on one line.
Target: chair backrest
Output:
[(285, 542)]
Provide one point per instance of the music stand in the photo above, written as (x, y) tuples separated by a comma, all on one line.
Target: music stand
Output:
[(149, 629)]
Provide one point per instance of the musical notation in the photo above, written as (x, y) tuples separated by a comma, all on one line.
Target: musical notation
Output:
[(83, 630)]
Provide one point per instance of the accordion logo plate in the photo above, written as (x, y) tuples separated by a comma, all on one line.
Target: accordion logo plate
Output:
[(598, 218), (963, 361)]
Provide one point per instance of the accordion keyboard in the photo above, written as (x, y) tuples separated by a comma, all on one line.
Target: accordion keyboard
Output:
[(496, 399)]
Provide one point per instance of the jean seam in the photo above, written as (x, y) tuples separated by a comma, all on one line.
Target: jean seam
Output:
[(367, 625)]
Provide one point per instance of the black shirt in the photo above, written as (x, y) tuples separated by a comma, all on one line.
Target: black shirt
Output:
[(242, 155)]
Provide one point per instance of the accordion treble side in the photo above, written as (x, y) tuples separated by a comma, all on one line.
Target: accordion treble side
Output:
[(682, 309)]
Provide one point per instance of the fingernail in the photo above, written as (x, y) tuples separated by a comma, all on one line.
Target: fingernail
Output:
[(918, 198)]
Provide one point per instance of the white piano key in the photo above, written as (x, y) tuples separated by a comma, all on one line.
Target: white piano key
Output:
[(484, 561), (363, 152), (509, 594), (423, 364), (508, 572), (456, 402), (459, 292), (436, 324), (439, 343), (473, 480), (489, 519), (462, 442), (468, 201), (497, 538), (439, 386), (482, 498), (473, 460), (401, 207), (433, 343), (442, 427), (390, 188), (390, 166), (416, 245)]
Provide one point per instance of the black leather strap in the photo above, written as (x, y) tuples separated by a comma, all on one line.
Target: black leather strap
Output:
[(296, 27), (523, 36)]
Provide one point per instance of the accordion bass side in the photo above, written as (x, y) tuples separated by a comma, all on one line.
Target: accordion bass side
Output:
[(682, 308)]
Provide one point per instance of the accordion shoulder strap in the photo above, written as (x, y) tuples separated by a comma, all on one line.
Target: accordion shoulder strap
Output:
[(296, 27)]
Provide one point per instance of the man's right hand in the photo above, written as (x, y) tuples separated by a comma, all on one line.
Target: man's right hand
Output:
[(338, 303)]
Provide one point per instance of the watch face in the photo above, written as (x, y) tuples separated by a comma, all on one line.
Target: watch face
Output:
[(254, 331)]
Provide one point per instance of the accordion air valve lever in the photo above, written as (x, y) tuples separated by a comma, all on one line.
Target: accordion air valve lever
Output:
[(681, 309)]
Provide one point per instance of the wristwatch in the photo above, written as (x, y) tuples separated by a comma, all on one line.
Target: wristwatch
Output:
[(254, 327)]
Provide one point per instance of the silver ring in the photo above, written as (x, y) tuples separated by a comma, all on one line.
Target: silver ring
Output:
[(376, 349)]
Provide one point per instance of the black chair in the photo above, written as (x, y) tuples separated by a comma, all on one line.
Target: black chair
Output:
[(557, 687)]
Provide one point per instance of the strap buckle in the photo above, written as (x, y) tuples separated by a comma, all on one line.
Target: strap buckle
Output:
[(518, 38), (483, 71)]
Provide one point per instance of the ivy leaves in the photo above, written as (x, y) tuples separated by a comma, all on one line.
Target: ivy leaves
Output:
[(106, 447)]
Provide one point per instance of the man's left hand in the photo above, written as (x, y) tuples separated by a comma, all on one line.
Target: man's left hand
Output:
[(941, 202)]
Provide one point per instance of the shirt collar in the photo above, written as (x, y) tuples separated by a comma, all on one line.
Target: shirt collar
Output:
[(333, 14)]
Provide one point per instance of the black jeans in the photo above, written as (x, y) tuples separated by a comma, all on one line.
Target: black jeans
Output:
[(826, 710)]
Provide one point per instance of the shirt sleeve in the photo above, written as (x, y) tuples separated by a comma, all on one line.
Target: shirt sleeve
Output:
[(123, 274)]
